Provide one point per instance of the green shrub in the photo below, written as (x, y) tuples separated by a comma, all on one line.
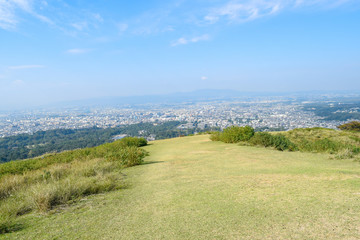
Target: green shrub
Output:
[(127, 156), (351, 126), (280, 142), (262, 139), (132, 141), (235, 134)]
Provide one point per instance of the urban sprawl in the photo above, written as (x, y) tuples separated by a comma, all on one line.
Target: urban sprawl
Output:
[(261, 114)]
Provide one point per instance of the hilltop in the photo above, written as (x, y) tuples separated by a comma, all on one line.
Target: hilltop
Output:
[(194, 188)]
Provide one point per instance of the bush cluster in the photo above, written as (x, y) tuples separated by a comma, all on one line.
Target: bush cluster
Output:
[(236, 134), (262, 139), (351, 126), (304, 139), (133, 141), (279, 142), (233, 134)]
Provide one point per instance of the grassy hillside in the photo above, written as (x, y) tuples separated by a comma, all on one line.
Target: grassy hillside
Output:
[(314, 134), (42, 184), (193, 188), (343, 144)]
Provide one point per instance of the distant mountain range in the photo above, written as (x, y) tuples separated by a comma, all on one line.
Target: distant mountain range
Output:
[(200, 96)]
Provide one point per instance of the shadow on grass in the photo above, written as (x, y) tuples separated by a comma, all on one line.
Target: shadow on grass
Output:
[(151, 162), (10, 227)]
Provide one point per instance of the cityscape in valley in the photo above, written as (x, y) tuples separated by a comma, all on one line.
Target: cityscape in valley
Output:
[(263, 113)]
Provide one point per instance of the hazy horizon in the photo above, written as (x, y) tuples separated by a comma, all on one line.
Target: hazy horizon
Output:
[(198, 95), (56, 51)]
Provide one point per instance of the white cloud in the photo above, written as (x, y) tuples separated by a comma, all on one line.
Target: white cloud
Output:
[(7, 17), (235, 11), (243, 11), (180, 41), (160, 20), (77, 51), (170, 16), (183, 41), (26, 5), (25, 67), (8, 12), (43, 18), (323, 3), (80, 25), (85, 22), (204, 78)]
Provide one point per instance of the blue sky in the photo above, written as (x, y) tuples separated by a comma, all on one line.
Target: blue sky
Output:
[(65, 50)]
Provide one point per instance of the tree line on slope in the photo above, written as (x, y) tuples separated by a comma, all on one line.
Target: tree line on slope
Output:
[(32, 145)]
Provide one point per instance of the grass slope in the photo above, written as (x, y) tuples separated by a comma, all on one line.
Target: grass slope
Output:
[(193, 188)]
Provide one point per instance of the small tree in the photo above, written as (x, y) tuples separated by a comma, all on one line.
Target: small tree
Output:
[(352, 126)]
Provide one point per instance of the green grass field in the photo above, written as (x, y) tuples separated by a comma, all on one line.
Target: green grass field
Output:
[(193, 188)]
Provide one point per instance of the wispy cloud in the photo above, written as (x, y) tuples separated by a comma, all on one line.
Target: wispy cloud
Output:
[(83, 22), (174, 16), (237, 11), (25, 67), (13, 12), (7, 16), (80, 26), (322, 3), (8, 12), (158, 20), (204, 78), (77, 51), (183, 41)]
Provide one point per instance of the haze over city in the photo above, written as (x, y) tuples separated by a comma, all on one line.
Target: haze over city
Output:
[(53, 51)]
